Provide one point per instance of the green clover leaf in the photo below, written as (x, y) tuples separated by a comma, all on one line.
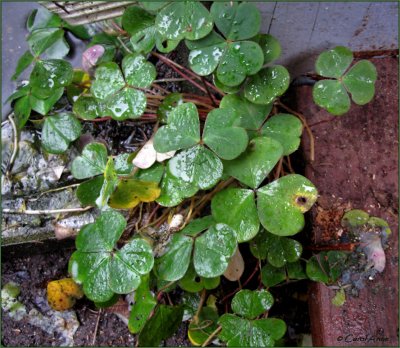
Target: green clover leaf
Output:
[(223, 136), (247, 332), (250, 304), (213, 250), (59, 131), (278, 250), (118, 91), (282, 203), (237, 208), (267, 84), (286, 129), (271, 275), (184, 20), (192, 282), (231, 56), (359, 81), (326, 267), (100, 267), (254, 165), (92, 162), (48, 76)]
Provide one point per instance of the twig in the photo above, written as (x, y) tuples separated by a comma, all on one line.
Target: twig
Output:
[(45, 211), (140, 217), (96, 328), (53, 190), (210, 338), (212, 98), (123, 45), (170, 80), (15, 147), (306, 126), (278, 168), (171, 63)]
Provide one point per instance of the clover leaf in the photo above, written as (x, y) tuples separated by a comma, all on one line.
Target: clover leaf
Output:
[(92, 161), (197, 166), (326, 267), (141, 25), (212, 251), (130, 192), (251, 116), (286, 129), (118, 91), (88, 107), (101, 267), (48, 76), (250, 304), (267, 84), (222, 135), (231, 56), (59, 131), (282, 203), (174, 190), (270, 47), (254, 165), (359, 81), (182, 130), (143, 306), (278, 250), (271, 275), (175, 262), (237, 208), (184, 20), (247, 332)]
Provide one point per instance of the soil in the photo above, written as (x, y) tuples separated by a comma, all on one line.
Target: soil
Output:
[(356, 167)]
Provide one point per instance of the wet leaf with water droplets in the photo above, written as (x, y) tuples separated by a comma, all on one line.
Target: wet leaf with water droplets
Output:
[(184, 20), (88, 108), (127, 103), (192, 282), (143, 306), (108, 80), (213, 250), (49, 75), (237, 208), (265, 86), (196, 166), (360, 82), (236, 21), (250, 304), (282, 203), (182, 130), (334, 63), (332, 96), (239, 332), (138, 71), (270, 47)]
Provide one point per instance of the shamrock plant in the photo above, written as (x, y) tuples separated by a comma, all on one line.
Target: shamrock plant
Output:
[(215, 174)]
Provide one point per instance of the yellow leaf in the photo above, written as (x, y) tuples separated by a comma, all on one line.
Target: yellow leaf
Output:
[(62, 294), (130, 192)]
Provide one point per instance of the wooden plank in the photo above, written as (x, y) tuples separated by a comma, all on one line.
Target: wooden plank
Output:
[(356, 165), (307, 28)]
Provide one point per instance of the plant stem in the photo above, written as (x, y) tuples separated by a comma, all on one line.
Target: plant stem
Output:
[(53, 190), (174, 79), (210, 338), (42, 212), (201, 303)]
